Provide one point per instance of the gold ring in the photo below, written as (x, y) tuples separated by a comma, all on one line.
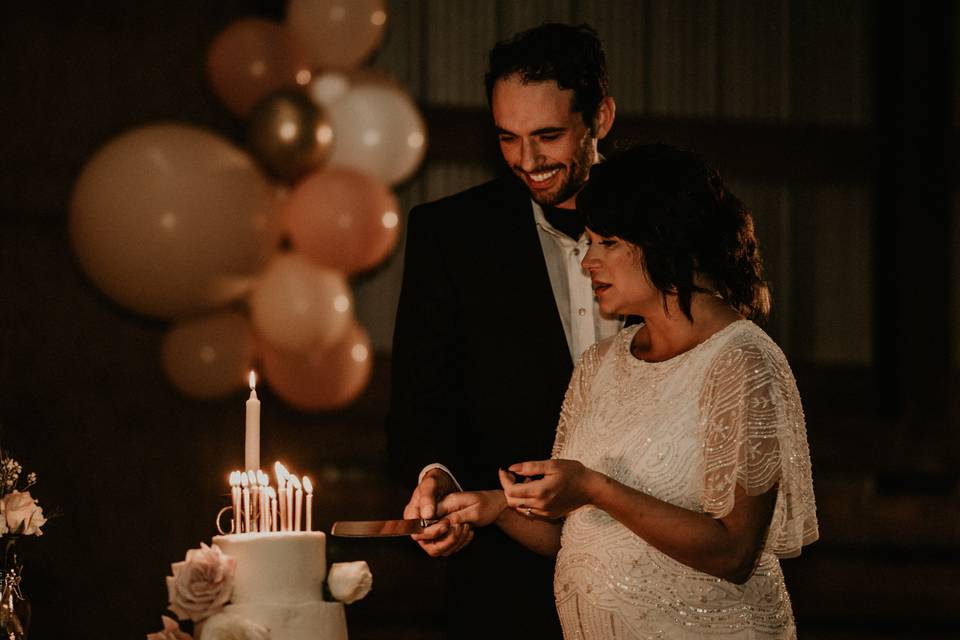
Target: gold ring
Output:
[(526, 512)]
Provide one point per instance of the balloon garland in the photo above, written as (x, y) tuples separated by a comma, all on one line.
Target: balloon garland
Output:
[(247, 251)]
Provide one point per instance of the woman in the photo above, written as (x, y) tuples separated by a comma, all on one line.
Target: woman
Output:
[(680, 471)]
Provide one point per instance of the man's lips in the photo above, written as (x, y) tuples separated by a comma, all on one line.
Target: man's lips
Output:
[(542, 178)]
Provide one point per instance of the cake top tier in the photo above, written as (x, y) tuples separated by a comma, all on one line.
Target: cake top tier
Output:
[(277, 566)]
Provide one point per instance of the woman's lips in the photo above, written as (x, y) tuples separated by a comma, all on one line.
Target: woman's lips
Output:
[(599, 287)]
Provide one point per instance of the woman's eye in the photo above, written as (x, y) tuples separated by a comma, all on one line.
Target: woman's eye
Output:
[(608, 243)]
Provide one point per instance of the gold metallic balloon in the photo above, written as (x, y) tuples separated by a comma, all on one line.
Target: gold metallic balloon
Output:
[(289, 134)]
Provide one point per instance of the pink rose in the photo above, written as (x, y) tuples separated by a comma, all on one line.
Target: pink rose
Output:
[(171, 631), (22, 514), (202, 583)]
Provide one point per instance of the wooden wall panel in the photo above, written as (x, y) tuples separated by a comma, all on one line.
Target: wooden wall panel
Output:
[(753, 59), (831, 61), (459, 38), (517, 16), (832, 281), (682, 59)]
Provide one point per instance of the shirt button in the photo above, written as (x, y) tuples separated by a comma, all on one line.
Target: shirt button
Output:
[(581, 311)]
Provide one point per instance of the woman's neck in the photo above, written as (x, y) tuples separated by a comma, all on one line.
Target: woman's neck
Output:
[(667, 332)]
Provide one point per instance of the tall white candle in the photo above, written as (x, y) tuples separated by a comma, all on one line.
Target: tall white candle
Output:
[(252, 440), (308, 487), (244, 484), (298, 504)]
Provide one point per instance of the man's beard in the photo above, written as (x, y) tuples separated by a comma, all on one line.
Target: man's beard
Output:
[(576, 176)]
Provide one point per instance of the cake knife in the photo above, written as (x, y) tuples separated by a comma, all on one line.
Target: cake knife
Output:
[(380, 528)]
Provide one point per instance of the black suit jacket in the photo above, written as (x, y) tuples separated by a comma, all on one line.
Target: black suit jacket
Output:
[(480, 366)]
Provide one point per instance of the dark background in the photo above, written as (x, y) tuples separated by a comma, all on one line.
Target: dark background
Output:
[(135, 472)]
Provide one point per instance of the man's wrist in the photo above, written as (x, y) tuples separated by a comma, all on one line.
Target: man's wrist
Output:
[(440, 467)]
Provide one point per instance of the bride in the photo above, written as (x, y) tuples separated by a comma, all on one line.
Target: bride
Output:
[(680, 471)]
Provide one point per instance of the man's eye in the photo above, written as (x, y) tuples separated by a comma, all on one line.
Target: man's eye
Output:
[(550, 137), (507, 138)]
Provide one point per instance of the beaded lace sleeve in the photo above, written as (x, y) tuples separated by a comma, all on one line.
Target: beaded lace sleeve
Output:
[(755, 436), (576, 397)]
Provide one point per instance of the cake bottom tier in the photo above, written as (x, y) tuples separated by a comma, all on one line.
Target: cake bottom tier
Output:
[(303, 621)]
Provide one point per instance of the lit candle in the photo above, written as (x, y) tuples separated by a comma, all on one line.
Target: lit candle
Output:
[(282, 495), (299, 502), (235, 499), (246, 501), (254, 498), (308, 487), (273, 508), (290, 520), (252, 451), (262, 502)]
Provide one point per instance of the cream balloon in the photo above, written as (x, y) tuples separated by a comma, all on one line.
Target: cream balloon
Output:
[(321, 379), (337, 33), (342, 218), (297, 305), (251, 59), (170, 219), (208, 357), (377, 129)]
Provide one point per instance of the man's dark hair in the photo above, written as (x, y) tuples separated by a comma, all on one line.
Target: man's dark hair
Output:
[(570, 55)]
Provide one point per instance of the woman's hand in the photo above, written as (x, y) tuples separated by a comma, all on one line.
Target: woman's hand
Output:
[(565, 485), (478, 508)]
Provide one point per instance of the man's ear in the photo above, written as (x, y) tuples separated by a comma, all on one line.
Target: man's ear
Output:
[(603, 120)]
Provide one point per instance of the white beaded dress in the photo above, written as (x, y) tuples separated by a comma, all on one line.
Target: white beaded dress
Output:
[(686, 431)]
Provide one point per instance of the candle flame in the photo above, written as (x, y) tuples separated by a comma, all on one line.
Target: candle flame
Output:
[(243, 480), (307, 485), (271, 492), (234, 478), (252, 476), (262, 478), (281, 473), (253, 379), (295, 482)]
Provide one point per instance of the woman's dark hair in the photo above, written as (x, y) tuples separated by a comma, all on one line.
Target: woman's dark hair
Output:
[(673, 206), (571, 56)]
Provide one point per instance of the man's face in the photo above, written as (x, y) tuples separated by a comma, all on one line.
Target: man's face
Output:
[(546, 144)]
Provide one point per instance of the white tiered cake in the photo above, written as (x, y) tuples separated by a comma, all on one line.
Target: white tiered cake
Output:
[(279, 584)]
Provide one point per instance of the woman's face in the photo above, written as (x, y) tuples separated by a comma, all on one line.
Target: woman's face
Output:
[(619, 281)]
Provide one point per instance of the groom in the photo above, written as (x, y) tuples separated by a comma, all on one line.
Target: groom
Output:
[(494, 309)]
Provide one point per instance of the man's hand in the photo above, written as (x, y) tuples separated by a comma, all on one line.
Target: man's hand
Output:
[(442, 538)]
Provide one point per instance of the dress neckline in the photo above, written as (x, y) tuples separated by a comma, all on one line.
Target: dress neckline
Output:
[(627, 338)]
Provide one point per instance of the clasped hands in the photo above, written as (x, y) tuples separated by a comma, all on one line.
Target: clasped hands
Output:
[(560, 487)]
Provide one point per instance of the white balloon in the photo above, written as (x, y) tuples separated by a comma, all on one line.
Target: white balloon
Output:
[(377, 129), (297, 305), (170, 219)]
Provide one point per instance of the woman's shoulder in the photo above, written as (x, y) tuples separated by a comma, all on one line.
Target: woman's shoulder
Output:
[(746, 347)]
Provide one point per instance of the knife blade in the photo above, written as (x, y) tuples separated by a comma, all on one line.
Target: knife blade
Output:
[(380, 528)]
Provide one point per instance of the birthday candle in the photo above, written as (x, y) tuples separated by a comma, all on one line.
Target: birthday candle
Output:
[(298, 508), (308, 486)]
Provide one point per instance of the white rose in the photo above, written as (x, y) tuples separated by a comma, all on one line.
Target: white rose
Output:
[(230, 626), (22, 514), (202, 583), (349, 581)]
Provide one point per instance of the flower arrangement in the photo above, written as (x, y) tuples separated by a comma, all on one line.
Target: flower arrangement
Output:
[(20, 515)]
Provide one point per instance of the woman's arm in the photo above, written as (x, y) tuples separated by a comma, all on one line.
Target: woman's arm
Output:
[(726, 547), (481, 508)]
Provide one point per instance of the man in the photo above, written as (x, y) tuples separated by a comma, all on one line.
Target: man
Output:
[(494, 309)]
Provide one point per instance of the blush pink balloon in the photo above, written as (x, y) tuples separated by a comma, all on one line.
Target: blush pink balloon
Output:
[(208, 357), (297, 305), (253, 58), (321, 379), (342, 218), (337, 34)]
